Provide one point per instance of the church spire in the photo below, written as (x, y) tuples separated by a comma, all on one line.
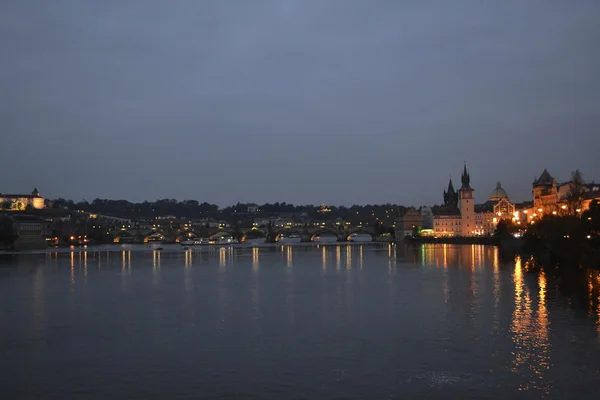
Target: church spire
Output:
[(465, 179), (450, 186), (450, 196)]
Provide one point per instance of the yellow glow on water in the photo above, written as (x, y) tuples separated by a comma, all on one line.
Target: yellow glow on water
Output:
[(445, 255), (255, 259), (85, 265), (72, 268), (324, 257), (348, 257), (188, 258), (360, 257), (156, 259), (155, 268), (593, 281), (290, 256), (530, 335), (338, 258)]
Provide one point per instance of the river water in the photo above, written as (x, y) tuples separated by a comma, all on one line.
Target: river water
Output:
[(295, 322)]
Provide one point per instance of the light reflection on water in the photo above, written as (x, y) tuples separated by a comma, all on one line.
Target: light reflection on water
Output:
[(530, 332), (348, 257), (290, 256), (301, 315)]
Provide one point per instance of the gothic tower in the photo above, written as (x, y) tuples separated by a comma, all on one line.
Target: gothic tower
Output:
[(450, 196), (466, 205)]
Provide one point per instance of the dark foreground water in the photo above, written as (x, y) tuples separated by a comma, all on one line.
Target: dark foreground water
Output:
[(336, 322)]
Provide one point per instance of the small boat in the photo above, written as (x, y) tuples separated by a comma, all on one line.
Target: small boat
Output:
[(156, 246), (222, 239), (195, 242)]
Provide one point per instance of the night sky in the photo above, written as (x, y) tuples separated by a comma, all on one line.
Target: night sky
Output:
[(306, 101)]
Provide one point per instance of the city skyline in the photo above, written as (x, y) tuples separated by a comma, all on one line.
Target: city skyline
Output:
[(300, 102), (442, 201)]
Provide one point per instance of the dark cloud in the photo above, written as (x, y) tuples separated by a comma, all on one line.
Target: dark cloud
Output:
[(298, 101)]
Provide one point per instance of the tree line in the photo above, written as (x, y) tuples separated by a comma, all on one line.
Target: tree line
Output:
[(196, 209)]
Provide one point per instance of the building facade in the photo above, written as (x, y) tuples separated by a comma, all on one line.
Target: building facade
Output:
[(408, 220), (23, 232), (550, 197), (460, 216), (21, 201)]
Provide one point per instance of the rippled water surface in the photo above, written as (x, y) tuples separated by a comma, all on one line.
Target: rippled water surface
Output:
[(304, 322)]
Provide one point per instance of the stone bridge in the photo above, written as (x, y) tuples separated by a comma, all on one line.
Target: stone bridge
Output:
[(138, 236)]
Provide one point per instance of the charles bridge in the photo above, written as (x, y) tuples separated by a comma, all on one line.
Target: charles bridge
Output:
[(138, 236)]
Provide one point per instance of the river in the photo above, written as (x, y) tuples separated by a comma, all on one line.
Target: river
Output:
[(295, 322)]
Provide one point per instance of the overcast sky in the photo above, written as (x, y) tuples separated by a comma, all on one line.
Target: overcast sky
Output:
[(303, 101)]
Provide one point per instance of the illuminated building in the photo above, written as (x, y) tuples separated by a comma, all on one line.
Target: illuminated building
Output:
[(550, 196), (21, 201), (460, 216), (323, 209), (408, 220)]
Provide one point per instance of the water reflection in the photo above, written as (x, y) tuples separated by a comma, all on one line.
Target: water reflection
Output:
[(472, 257), (290, 256), (593, 282), (530, 335), (391, 259), (255, 282), (85, 265), (125, 268), (223, 258), (72, 268), (496, 291), (348, 257), (156, 267), (188, 283), (255, 260), (360, 257), (188, 258), (336, 317)]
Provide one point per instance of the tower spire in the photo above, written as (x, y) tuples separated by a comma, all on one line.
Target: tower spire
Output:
[(465, 179)]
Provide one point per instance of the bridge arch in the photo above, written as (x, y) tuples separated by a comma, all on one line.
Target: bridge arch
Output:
[(186, 236), (154, 236), (324, 235), (359, 235), (253, 234), (286, 232)]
